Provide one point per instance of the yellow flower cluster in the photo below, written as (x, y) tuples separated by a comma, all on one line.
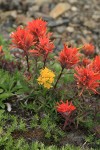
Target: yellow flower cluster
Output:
[(46, 78)]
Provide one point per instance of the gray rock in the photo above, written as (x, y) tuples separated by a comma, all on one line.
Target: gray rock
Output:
[(70, 29), (60, 29)]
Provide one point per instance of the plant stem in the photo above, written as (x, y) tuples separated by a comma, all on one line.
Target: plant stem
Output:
[(44, 63), (58, 78), (27, 61), (36, 66), (79, 48)]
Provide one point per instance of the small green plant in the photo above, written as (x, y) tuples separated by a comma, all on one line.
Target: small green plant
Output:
[(11, 85)]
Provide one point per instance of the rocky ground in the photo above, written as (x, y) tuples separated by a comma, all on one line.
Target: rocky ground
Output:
[(71, 21)]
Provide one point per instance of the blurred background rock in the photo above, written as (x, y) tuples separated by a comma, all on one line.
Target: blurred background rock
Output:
[(71, 21)]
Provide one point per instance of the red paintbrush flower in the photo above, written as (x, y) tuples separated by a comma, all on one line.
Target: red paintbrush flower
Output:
[(37, 27), (65, 107), (44, 47), (22, 39), (68, 57), (85, 61), (88, 49), (96, 64), (87, 79)]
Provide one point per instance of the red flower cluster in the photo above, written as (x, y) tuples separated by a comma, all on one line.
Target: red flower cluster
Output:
[(34, 35), (44, 47), (65, 107), (37, 28), (22, 39), (68, 57), (87, 78), (88, 49)]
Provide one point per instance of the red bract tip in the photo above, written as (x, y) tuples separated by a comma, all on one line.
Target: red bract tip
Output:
[(86, 61), (87, 79), (22, 39), (96, 64), (37, 27), (45, 45), (88, 49), (65, 107), (68, 57)]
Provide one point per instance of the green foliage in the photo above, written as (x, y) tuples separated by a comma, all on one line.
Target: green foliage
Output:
[(34, 121), (50, 128), (57, 67), (92, 140), (68, 77), (11, 85), (23, 145), (5, 45), (3, 41)]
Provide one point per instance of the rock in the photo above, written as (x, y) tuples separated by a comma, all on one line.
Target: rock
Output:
[(58, 22), (31, 2), (90, 23), (60, 29), (22, 19), (85, 32), (39, 15), (72, 1), (59, 9), (4, 16), (9, 5), (32, 9), (45, 8), (67, 14), (40, 2), (13, 13), (86, 7), (70, 29), (74, 8), (96, 16)]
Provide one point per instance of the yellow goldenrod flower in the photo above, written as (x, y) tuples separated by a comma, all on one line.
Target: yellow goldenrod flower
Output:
[(46, 78)]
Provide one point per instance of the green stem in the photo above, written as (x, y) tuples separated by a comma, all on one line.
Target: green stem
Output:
[(44, 63), (27, 61), (36, 67), (58, 78)]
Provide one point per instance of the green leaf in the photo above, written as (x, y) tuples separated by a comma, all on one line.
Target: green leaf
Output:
[(57, 67), (1, 90), (2, 105), (5, 95)]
